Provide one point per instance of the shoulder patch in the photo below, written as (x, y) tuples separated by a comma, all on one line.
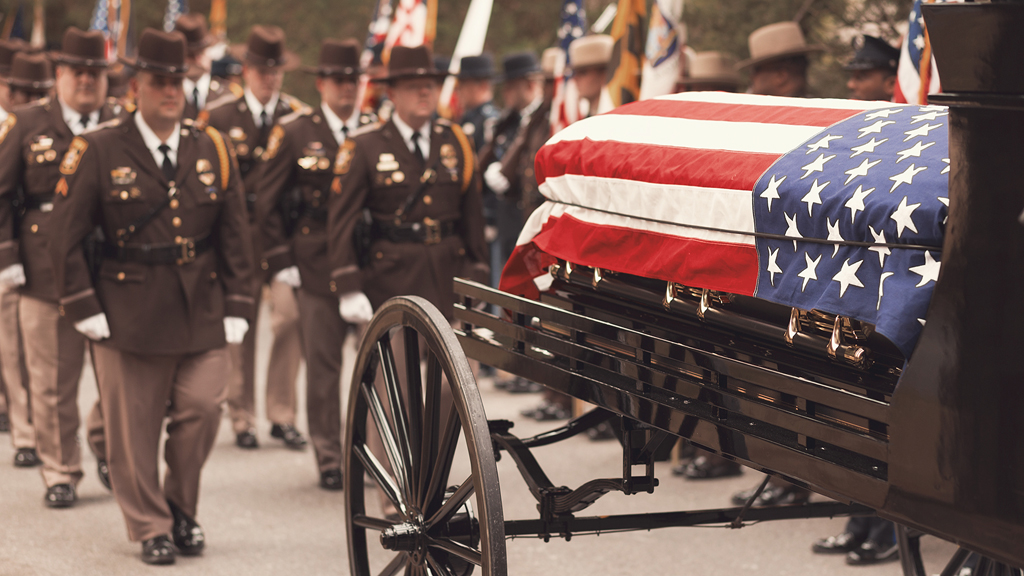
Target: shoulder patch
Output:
[(5, 128), (273, 143), (73, 156), (236, 89), (343, 161)]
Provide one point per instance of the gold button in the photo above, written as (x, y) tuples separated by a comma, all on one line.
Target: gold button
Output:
[(176, 222), (334, 287), (35, 228), (428, 200), (213, 275), (213, 195), (380, 255), (174, 204), (305, 229), (124, 194), (178, 240), (120, 275), (264, 265)]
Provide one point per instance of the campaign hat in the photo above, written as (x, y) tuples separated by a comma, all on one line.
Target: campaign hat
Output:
[(593, 50), (337, 58), (519, 65), (710, 67), (776, 42), (476, 67), (8, 48), (549, 59), (30, 72), (193, 26), (160, 53), (266, 49), (411, 62), (874, 53), (82, 49)]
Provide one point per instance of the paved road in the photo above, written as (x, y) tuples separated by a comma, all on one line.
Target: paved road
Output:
[(264, 515)]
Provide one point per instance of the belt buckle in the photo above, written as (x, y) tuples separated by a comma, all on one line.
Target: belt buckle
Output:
[(431, 231), (188, 251)]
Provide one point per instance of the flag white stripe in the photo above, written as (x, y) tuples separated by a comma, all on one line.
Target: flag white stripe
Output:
[(758, 100)]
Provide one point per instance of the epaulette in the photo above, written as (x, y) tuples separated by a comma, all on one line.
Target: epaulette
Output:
[(113, 122), (223, 101), (236, 89), (365, 129)]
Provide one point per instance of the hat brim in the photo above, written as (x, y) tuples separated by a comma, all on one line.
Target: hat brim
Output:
[(29, 84), (811, 49), (152, 68), (410, 75), (68, 60), (506, 78), (289, 60), (862, 66), (203, 44), (488, 76), (709, 80), (334, 71)]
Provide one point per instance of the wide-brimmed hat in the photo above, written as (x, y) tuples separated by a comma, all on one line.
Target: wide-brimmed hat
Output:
[(593, 50), (8, 48), (337, 58), (82, 49), (411, 62), (775, 42), (160, 53), (874, 53), (193, 26), (710, 68), (30, 72), (519, 65), (476, 67), (549, 59), (265, 48)]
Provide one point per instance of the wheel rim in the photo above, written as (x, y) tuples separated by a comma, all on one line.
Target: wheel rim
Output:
[(909, 541), (446, 524)]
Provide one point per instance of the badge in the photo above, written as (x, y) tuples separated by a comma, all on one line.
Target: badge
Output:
[(386, 163), (236, 133), (468, 128), (135, 192), (204, 165), (448, 157), (307, 162), (6, 126), (398, 177), (50, 155), (62, 187), (74, 155), (122, 176), (241, 149), (323, 163), (343, 161), (42, 143), (336, 185), (273, 142), (207, 178)]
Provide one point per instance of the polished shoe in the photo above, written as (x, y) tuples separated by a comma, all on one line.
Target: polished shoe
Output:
[(286, 432), (247, 440), (187, 534), (158, 550), (773, 496), (332, 479), (520, 385), (839, 544), (705, 468), (872, 553), (546, 412), (5, 422), (60, 496), (103, 472), (26, 458)]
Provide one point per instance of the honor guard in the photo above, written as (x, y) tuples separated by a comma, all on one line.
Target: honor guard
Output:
[(247, 120), (168, 283), (292, 211), (36, 139), (475, 90), (200, 87), (416, 178), (873, 70)]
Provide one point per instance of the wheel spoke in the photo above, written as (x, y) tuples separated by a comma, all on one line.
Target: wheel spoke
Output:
[(364, 521), (435, 568), (454, 503), (400, 426), (414, 385), (431, 426), (391, 449), (399, 562), (441, 468), (380, 475), (457, 548)]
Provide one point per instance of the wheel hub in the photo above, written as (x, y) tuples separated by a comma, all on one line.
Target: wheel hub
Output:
[(405, 537)]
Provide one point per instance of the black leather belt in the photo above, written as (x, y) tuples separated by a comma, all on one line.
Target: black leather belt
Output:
[(42, 202), (178, 253), (426, 232)]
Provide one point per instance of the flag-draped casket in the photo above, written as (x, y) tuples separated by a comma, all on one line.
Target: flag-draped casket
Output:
[(830, 205)]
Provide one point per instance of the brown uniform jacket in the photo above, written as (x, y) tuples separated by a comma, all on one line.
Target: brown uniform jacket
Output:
[(111, 180), (218, 90), (296, 174), (376, 170), (30, 153)]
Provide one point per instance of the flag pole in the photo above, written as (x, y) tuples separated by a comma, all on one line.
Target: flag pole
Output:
[(470, 43)]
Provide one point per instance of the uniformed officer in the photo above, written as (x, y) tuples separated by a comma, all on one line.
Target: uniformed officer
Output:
[(590, 56), (475, 91), (27, 82), (778, 60), (418, 179), (172, 284), (38, 137), (7, 51), (248, 120), (200, 87), (292, 212), (873, 70)]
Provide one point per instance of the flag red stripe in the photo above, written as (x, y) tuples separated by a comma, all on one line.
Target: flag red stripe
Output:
[(717, 111)]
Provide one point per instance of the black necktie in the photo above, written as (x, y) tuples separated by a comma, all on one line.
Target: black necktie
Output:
[(264, 128), (84, 121), (167, 167), (195, 96), (416, 147), (344, 133)]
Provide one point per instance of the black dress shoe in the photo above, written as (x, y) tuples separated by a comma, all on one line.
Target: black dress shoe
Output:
[(523, 386), (839, 544), (247, 440), (292, 438), (546, 412), (103, 472), (158, 550), (705, 468), (26, 458), (5, 422), (872, 553), (60, 496), (773, 496), (187, 534), (332, 479)]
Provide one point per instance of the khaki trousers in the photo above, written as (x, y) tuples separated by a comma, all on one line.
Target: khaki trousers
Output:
[(138, 393), (285, 356), (54, 354), (323, 332), (12, 364)]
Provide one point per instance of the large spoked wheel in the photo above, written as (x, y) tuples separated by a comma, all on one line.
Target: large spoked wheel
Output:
[(417, 430), (913, 563)]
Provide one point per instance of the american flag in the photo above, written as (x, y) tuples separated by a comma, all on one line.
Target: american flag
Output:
[(832, 205), (916, 75), (565, 105), (175, 8)]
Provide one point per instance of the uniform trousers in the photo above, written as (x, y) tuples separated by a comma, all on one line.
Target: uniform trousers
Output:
[(54, 354), (12, 363), (282, 372), (138, 392), (323, 333)]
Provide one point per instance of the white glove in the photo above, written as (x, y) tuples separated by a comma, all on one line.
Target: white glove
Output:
[(355, 308), (94, 327), (12, 276), (289, 276), (235, 329), (496, 181)]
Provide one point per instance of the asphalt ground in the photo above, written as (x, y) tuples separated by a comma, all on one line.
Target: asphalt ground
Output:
[(264, 514)]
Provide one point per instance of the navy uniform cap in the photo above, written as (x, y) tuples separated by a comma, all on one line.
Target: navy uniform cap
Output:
[(874, 53)]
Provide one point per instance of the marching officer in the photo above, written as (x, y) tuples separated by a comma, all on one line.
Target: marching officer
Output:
[(417, 177), (292, 211), (170, 283), (475, 90), (29, 159), (200, 87), (248, 120)]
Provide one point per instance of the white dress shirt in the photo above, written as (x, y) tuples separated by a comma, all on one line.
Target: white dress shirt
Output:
[(204, 89), (406, 132), (336, 124), (153, 141), (73, 118), (255, 107)]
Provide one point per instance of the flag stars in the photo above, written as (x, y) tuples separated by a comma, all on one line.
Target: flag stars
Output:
[(791, 229), (920, 131), (823, 143), (847, 276), (834, 235), (856, 202), (905, 177), (902, 217), (772, 191), (868, 147), (919, 42), (875, 128), (810, 272), (814, 196), (881, 114), (914, 151), (881, 284), (883, 250), (929, 271), (946, 169), (773, 264), (932, 115), (817, 166), (861, 170)]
